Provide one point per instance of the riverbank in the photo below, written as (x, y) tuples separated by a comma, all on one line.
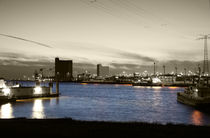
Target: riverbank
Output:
[(68, 127), (175, 84)]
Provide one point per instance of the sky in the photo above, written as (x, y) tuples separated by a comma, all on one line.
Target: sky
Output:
[(123, 34)]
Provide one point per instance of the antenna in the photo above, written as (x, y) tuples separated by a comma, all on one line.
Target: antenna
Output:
[(205, 61)]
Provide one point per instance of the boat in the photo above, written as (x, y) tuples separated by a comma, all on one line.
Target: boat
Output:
[(10, 93), (198, 96), (150, 81)]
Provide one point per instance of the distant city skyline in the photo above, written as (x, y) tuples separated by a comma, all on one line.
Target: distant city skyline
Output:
[(26, 70), (122, 34)]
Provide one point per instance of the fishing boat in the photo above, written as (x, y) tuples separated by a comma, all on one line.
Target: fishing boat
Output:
[(151, 81), (198, 96)]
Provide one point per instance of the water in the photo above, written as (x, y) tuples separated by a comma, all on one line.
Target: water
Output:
[(109, 103)]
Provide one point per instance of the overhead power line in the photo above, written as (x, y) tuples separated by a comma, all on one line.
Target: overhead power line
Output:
[(26, 40)]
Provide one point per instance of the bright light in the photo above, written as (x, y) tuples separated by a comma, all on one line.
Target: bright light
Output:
[(2, 84), (6, 111), (156, 80), (172, 87), (6, 91), (38, 90), (16, 86)]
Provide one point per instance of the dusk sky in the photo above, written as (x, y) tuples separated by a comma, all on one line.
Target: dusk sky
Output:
[(103, 31)]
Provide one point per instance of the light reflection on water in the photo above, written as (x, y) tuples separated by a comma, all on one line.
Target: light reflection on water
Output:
[(157, 97), (197, 117), (38, 109), (110, 103)]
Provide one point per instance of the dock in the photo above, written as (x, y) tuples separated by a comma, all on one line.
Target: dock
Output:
[(11, 94)]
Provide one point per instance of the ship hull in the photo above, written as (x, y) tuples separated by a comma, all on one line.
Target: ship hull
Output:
[(5, 99), (146, 84), (192, 100), (26, 93)]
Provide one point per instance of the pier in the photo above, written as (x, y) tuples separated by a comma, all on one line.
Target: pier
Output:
[(13, 93)]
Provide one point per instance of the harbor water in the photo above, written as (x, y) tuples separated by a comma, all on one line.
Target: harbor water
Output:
[(106, 102)]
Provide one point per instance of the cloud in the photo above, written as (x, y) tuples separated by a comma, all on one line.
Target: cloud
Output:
[(104, 53), (12, 65), (17, 59), (124, 66), (135, 56)]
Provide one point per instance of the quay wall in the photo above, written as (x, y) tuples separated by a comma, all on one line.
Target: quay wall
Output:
[(25, 92)]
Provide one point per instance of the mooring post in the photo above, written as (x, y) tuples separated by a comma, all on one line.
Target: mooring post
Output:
[(57, 83), (57, 87), (51, 86)]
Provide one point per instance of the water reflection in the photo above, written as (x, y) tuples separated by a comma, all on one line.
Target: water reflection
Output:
[(156, 96), (197, 118), (173, 87), (54, 101), (38, 109), (109, 103), (157, 88), (6, 111)]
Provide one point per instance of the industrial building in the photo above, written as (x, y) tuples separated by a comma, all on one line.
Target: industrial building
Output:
[(63, 70), (102, 71)]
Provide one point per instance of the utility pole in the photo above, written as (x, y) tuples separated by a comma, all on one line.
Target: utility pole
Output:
[(184, 75), (176, 70), (164, 72), (199, 72), (185, 71), (205, 61)]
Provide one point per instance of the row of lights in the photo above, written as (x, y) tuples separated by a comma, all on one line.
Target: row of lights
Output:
[(7, 91)]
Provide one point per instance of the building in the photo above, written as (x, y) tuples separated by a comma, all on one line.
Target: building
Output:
[(102, 71), (63, 70), (84, 77)]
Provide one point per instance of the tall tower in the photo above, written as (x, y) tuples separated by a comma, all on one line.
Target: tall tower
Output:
[(164, 70), (154, 69), (205, 61), (98, 69)]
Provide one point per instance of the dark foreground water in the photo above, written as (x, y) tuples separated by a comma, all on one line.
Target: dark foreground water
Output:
[(109, 103)]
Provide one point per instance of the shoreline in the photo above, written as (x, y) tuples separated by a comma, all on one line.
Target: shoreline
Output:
[(121, 83), (75, 128)]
